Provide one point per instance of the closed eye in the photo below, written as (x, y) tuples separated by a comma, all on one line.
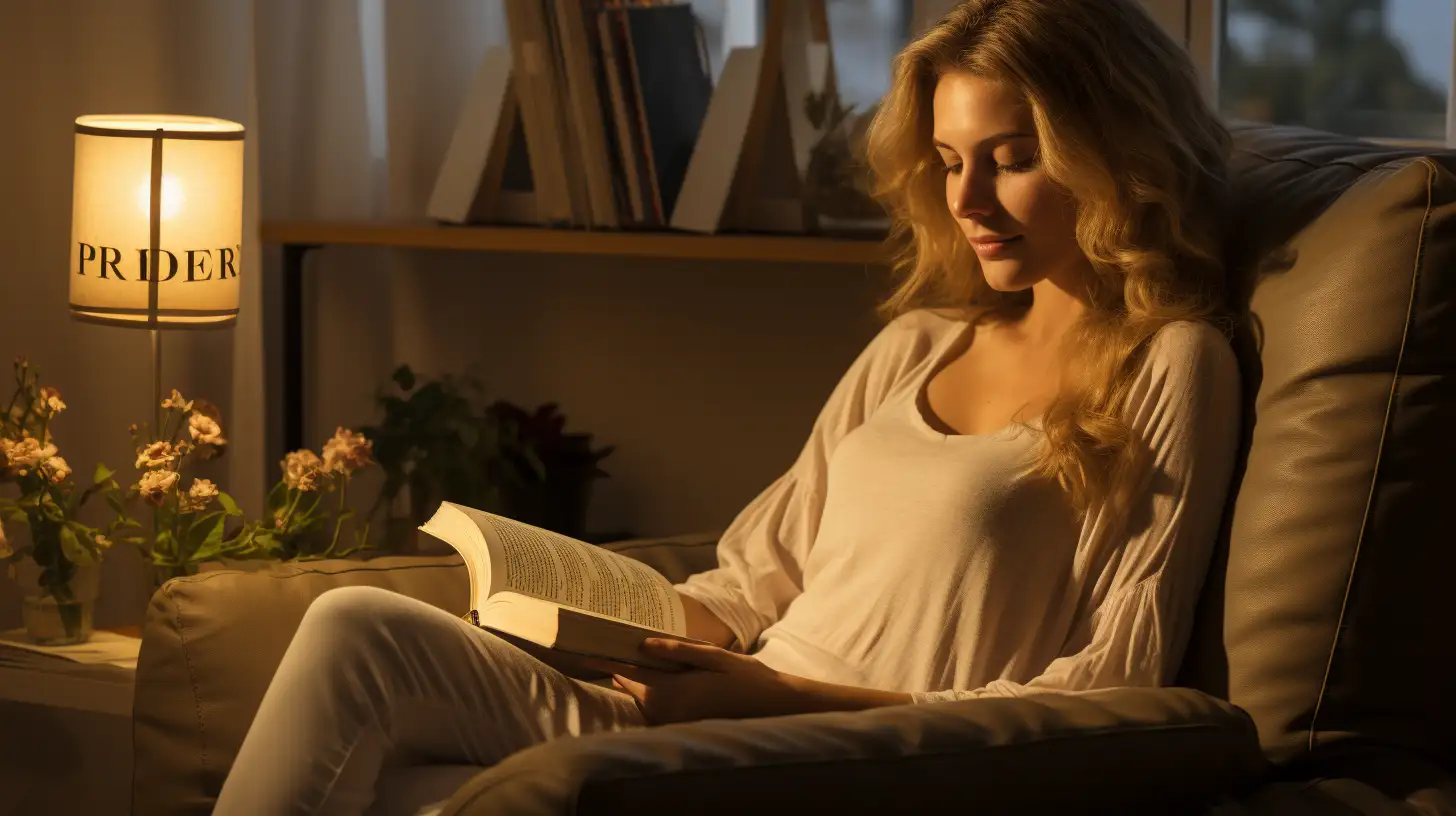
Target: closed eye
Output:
[(1018, 167)]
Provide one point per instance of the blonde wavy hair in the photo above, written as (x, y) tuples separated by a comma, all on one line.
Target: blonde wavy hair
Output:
[(1123, 126)]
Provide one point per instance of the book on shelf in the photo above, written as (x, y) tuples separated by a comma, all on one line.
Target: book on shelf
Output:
[(604, 114), (573, 605), (485, 176)]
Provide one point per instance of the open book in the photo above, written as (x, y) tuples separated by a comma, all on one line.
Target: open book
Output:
[(543, 589)]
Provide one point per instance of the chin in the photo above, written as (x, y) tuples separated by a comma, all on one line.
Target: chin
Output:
[(1005, 276)]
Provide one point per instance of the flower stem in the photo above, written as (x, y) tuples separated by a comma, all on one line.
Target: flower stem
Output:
[(292, 505), (339, 521)]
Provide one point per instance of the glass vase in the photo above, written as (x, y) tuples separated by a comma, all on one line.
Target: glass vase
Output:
[(57, 615)]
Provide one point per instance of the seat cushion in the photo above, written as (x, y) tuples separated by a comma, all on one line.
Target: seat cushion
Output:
[(419, 790), (1320, 618)]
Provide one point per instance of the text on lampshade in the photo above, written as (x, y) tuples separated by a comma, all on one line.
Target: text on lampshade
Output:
[(201, 264)]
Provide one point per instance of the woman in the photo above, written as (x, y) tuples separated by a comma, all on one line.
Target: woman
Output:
[(1013, 492)]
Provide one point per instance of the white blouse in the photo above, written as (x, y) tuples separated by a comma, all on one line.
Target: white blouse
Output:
[(896, 557)]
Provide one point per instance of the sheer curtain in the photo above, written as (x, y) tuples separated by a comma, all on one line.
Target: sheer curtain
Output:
[(357, 102), (61, 59)]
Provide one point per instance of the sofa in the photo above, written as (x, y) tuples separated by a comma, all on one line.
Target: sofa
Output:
[(1320, 677)]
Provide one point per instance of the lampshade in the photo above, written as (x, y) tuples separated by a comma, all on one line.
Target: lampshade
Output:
[(157, 220)]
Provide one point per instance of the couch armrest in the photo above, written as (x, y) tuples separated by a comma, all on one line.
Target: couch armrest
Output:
[(211, 644), (1113, 751)]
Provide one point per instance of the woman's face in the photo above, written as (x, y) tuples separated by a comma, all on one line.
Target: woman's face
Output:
[(1021, 224)]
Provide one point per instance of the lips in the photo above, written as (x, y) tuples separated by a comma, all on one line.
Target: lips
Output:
[(996, 245)]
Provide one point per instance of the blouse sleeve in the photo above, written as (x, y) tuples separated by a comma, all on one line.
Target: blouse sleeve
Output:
[(1185, 405), (761, 554)]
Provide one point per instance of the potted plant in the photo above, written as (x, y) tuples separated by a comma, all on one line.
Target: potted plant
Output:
[(546, 474), (836, 179), (56, 567), (424, 443), (434, 442)]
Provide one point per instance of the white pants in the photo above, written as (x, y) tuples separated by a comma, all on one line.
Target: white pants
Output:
[(374, 679)]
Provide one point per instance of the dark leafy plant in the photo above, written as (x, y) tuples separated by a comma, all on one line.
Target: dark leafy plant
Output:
[(434, 438), (551, 471)]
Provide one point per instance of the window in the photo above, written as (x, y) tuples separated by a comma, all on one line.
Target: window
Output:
[(1375, 68), (1378, 69), (727, 24), (863, 35)]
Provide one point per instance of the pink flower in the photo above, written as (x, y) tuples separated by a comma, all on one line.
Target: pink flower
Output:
[(176, 401), (301, 470), (155, 484), (347, 452), (26, 454), (102, 541), (56, 469), (159, 454), (205, 430), (50, 398), (202, 492)]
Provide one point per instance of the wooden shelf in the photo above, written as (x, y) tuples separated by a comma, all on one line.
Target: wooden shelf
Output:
[(681, 246)]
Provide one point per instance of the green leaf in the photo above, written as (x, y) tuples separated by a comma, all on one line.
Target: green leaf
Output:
[(266, 542), (74, 549), (404, 377), (212, 541), (102, 473), (115, 503), (228, 505)]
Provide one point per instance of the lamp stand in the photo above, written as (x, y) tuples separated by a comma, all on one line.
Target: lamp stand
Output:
[(157, 382)]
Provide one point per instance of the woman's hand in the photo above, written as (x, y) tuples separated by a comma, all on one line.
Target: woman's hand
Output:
[(720, 684), (724, 684)]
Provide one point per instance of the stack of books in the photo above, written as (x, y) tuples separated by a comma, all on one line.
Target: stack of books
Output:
[(602, 114)]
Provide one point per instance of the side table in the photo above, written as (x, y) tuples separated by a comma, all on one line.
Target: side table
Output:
[(65, 735)]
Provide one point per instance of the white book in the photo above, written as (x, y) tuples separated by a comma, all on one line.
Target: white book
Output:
[(708, 184), (478, 132), (560, 599)]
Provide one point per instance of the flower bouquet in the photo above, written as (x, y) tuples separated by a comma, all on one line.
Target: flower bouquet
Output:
[(197, 523), (189, 521), (62, 550), (298, 516)]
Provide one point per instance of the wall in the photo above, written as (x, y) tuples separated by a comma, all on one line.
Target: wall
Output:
[(706, 376)]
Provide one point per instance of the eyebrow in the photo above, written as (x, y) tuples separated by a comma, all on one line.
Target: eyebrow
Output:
[(999, 137)]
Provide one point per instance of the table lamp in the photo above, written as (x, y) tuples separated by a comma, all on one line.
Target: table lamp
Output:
[(156, 224)]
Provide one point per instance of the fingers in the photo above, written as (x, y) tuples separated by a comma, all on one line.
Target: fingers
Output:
[(698, 656), (632, 687), (639, 674)]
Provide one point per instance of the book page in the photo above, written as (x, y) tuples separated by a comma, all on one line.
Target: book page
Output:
[(553, 567)]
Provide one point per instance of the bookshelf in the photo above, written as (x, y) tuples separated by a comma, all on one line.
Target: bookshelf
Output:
[(297, 238), (638, 244)]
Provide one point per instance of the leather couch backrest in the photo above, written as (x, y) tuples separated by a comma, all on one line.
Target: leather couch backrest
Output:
[(1328, 614)]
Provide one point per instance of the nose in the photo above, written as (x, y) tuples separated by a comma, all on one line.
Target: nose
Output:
[(973, 194)]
